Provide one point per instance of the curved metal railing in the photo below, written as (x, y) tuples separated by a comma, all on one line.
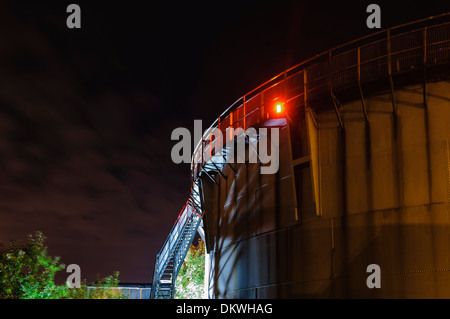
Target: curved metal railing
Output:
[(389, 52)]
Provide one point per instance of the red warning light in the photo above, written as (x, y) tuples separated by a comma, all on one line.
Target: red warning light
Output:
[(277, 115), (279, 108)]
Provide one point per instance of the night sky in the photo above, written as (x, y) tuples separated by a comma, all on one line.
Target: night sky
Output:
[(86, 114)]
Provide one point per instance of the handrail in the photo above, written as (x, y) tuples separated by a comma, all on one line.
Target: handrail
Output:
[(172, 239), (345, 48)]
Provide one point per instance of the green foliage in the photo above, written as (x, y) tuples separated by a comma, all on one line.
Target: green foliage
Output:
[(190, 279), (104, 288), (101, 289), (28, 272)]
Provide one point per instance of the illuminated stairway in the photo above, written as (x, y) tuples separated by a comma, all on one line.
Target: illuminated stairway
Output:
[(171, 256)]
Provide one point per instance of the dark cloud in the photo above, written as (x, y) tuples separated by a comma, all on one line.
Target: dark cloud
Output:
[(79, 158)]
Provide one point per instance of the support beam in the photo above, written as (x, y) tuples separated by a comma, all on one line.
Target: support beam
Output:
[(219, 170), (253, 146), (336, 105), (209, 176), (425, 68), (232, 168), (391, 82), (195, 205), (363, 103), (201, 232)]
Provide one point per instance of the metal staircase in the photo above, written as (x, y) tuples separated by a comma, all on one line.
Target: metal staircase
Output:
[(171, 256)]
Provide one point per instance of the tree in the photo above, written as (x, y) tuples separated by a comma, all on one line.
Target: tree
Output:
[(28, 272), (190, 280)]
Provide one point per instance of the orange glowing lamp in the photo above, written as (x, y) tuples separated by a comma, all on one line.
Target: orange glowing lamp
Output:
[(279, 108)]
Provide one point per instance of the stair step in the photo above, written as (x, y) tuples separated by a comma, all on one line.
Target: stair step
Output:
[(174, 258)]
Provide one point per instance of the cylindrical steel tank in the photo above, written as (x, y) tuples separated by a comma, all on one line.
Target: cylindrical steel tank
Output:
[(363, 176)]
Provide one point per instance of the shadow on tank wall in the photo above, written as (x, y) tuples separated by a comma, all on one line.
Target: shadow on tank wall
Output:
[(384, 199)]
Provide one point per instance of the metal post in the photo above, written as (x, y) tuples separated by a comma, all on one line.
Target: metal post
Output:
[(330, 72), (262, 115), (203, 141), (333, 97), (391, 83), (243, 106), (209, 176), (336, 103), (425, 67), (218, 169), (155, 278), (359, 86), (172, 288), (294, 188), (305, 87)]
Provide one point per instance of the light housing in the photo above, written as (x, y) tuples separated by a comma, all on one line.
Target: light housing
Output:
[(278, 108)]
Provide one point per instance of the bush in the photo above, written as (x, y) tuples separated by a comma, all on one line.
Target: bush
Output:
[(28, 272), (190, 280)]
